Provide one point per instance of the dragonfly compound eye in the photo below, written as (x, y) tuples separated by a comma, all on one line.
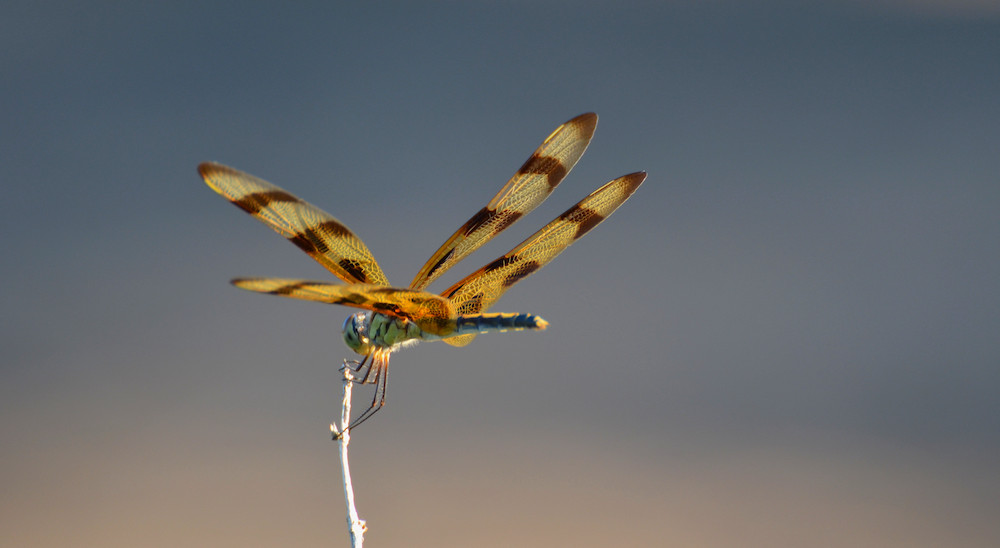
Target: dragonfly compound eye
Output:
[(355, 334)]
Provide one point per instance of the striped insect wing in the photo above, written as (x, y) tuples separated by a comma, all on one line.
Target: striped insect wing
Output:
[(529, 187), (328, 241), (478, 291)]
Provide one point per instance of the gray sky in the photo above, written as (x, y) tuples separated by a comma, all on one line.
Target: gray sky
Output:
[(787, 337)]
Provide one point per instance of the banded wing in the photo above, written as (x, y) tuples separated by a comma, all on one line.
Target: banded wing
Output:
[(532, 183), (432, 313), (315, 231), (478, 291)]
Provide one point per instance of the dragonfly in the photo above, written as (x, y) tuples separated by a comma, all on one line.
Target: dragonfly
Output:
[(395, 317)]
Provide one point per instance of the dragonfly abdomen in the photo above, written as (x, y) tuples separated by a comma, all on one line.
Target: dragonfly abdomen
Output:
[(498, 321)]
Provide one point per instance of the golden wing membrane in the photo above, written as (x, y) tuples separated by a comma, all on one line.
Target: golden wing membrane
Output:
[(432, 313), (532, 183), (313, 230), (478, 291)]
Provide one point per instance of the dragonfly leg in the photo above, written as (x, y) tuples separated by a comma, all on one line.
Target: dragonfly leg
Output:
[(354, 365), (373, 367), (357, 366), (381, 368)]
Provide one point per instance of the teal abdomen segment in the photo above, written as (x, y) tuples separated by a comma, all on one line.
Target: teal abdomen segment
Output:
[(498, 321)]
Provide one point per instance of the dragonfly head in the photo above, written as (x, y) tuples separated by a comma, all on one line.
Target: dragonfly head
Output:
[(356, 333)]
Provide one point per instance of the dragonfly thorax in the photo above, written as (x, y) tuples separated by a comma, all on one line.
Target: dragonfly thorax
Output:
[(367, 331)]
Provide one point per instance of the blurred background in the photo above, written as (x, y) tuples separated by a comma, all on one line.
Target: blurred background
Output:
[(788, 337)]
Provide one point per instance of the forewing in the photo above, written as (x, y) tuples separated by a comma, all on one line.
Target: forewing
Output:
[(478, 291), (532, 183), (433, 313), (316, 232)]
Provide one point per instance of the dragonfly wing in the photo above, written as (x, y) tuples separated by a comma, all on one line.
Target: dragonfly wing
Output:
[(316, 232), (478, 291), (433, 313), (532, 183)]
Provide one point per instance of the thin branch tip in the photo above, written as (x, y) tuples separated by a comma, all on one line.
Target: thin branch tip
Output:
[(340, 431)]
